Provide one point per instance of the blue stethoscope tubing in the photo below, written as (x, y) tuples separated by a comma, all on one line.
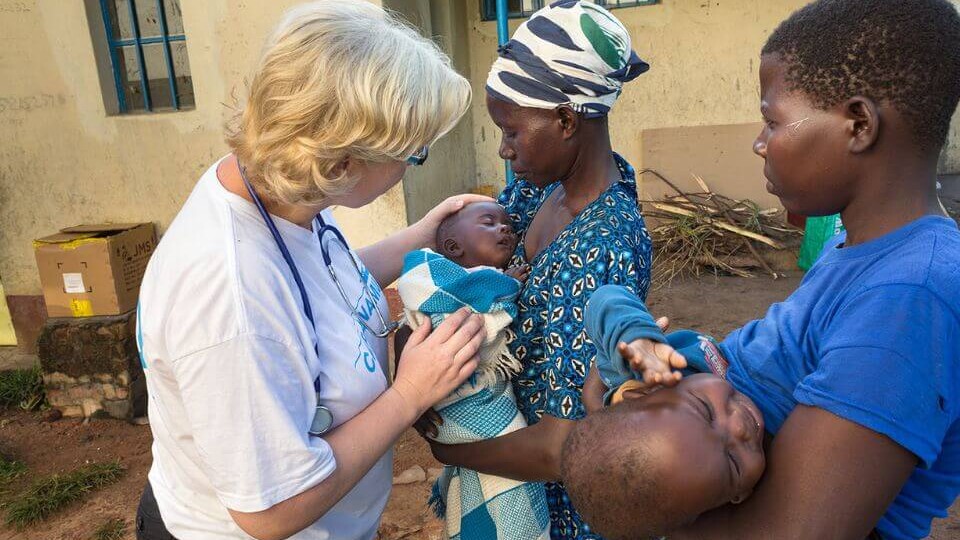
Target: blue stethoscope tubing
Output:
[(322, 417)]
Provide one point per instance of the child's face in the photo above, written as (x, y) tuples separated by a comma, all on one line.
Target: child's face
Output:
[(482, 236), (805, 151), (708, 438)]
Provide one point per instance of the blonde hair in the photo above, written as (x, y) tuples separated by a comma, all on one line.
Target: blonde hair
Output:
[(340, 79)]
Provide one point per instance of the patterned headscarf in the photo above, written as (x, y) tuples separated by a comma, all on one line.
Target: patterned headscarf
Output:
[(568, 53)]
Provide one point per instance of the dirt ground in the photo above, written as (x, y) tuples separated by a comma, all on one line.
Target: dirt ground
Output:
[(712, 305)]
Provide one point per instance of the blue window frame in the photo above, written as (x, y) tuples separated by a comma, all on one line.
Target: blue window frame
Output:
[(148, 55), (518, 9)]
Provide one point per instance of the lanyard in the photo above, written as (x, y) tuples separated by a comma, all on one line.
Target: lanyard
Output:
[(322, 417)]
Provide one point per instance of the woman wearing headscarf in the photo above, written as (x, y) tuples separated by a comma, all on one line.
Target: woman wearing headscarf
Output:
[(574, 203)]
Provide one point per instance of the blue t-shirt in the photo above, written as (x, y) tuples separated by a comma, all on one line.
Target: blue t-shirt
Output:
[(872, 335)]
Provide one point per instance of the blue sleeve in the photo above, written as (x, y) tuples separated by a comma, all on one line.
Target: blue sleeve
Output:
[(888, 361), (616, 314)]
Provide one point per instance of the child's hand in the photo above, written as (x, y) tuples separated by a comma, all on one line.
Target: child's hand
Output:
[(593, 391), (427, 425), (656, 361), (519, 273)]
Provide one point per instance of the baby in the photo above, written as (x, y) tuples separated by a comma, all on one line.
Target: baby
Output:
[(677, 446), (480, 235), (470, 270)]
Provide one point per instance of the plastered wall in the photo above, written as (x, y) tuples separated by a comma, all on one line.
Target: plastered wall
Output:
[(704, 58), (65, 161)]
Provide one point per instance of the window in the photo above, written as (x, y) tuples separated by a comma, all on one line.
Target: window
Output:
[(148, 55), (518, 9)]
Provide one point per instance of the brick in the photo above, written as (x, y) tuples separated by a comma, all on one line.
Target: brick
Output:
[(57, 398), (57, 379), (90, 407), (117, 408), (77, 392), (72, 411)]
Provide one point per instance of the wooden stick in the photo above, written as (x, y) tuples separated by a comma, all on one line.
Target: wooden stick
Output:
[(722, 224), (760, 259), (703, 185)]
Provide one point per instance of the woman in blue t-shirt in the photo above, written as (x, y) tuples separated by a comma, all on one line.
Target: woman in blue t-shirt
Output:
[(857, 371)]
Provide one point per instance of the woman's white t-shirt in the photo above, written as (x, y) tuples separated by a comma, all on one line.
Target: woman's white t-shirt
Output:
[(230, 364)]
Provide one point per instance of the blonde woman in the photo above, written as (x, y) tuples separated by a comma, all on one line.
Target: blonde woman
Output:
[(262, 333)]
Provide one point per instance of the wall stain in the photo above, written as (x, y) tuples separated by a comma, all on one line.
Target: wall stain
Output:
[(31, 103)]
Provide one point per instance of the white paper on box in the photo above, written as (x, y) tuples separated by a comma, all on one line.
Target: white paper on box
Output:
[(73, 283)]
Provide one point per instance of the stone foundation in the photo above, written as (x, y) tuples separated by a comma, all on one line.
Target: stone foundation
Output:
[(91, 367)]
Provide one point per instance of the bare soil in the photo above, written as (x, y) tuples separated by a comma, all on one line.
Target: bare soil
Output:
[(711, 305)]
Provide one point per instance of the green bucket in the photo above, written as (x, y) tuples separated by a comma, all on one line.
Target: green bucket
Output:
[(818, 231)]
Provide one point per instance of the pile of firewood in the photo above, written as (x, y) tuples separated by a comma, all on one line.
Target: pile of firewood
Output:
[(705, 232)]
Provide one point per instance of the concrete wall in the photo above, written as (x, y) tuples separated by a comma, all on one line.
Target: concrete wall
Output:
[(704, 57), (64, 160), (452, 162)]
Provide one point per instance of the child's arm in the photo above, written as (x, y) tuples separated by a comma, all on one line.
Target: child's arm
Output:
[(630, 344)]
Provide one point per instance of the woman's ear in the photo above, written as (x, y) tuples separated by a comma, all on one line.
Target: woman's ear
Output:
[(569, 121), (740, 497), (451, 248), (863, 123), (343, 166)]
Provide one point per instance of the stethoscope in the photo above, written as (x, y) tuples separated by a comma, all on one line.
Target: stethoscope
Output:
[(322, 417)]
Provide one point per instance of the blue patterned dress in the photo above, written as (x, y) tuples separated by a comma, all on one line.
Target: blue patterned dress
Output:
[(607, 243)]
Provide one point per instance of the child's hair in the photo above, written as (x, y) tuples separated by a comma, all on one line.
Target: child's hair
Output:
[(602, 450), (904, 52), (339, 79)]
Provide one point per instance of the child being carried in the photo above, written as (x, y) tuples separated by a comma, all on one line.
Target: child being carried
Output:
[(475, 246), (678, 443)]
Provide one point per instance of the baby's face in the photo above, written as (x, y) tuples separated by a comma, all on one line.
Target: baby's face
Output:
[(708, 438), (482, 236)]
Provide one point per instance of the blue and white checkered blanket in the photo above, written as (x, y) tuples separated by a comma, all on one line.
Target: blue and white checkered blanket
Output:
[(476, 506)]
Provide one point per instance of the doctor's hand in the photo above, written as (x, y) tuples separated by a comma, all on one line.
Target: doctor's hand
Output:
[(427, 227), (433, 364)]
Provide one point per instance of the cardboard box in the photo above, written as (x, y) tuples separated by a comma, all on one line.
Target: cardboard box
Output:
[(94, 269)]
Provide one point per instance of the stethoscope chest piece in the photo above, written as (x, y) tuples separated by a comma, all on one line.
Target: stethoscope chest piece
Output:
[(322, 420)]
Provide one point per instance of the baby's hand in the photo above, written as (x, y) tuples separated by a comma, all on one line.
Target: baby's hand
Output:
[(656, 361), (519, 273)]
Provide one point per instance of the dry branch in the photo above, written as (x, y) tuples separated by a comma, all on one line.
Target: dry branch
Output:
[(708, 232)]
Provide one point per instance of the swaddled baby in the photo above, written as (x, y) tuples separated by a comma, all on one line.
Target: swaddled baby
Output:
[(470, 270)]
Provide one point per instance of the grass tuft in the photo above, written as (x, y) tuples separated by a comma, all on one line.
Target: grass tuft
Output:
[(10, 470), (48, 495), (111, 530), (21, 388)]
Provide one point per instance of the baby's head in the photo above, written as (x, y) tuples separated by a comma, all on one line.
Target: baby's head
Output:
[(480, 234), (654, 463)]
